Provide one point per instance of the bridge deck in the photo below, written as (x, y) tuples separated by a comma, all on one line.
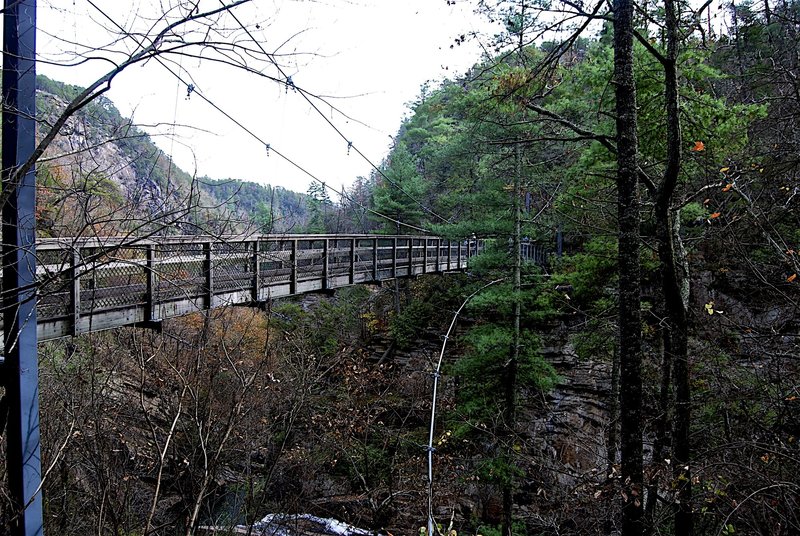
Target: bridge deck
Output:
[(91, 285)]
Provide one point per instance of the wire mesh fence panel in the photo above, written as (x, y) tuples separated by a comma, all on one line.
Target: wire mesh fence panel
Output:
[(431, 251), (274, 261), (54, 278), (402, 249), (418, 252), (310, 259), (179, 270), (112, 278), (339, 257), (364, 255), (231, 263), (385, 253)]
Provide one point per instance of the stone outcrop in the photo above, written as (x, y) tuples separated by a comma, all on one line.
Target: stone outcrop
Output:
[(574, 429)]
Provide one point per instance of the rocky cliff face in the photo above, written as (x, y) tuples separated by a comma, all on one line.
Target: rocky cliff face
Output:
[(574, 429), (104, 175), (101, 174)]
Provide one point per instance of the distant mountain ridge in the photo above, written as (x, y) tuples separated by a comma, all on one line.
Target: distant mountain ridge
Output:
[(104, 175)]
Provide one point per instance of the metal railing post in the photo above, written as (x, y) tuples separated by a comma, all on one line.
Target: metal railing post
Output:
[(208, 271), (352, 261), (325, 264), (374, 259), (256, 267), (293, 268), (394, 257), (410, 256), (75, 289), (425, 254), (449, 254), (150, 273)]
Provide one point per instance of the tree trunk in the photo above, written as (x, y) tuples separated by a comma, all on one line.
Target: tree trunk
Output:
[(612, 445), (675, 278), (676, 310), (511, 367), (661, 426), (630, 339)]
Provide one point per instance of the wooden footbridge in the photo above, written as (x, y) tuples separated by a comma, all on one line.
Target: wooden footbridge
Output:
[(81, 285), (86, 285)]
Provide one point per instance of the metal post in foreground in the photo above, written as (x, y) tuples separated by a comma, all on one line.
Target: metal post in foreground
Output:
[(20, 368)]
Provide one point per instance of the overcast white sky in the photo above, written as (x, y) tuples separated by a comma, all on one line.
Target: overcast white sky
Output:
[(372, 56)]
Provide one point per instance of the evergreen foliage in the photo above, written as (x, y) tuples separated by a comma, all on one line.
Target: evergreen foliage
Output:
[(733, 198), (534, 127), (399, 192)]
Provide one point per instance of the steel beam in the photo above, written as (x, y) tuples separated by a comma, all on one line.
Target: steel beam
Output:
[(326, 263), (374, 259), (352, 272), (410, 256), (208, 273), (394, 257), (21, 372), (255, 266), (151, 300), (293, 267)]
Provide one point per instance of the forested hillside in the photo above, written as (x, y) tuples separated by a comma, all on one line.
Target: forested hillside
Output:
[(642, 380), (104, 175), (682, 279)]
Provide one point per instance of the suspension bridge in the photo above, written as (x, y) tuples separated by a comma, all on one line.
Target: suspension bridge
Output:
[(69, 286), (86, 285)]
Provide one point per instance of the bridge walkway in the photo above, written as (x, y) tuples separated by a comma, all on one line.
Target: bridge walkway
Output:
[(95, 284)]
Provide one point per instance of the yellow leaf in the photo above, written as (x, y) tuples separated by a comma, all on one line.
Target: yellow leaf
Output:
[(724, 170), (699, 146), (728, 187), (710, 307), (791, 278)]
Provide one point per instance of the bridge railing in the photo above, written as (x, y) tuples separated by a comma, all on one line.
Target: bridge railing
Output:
[(95, 284), (535, 252)]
